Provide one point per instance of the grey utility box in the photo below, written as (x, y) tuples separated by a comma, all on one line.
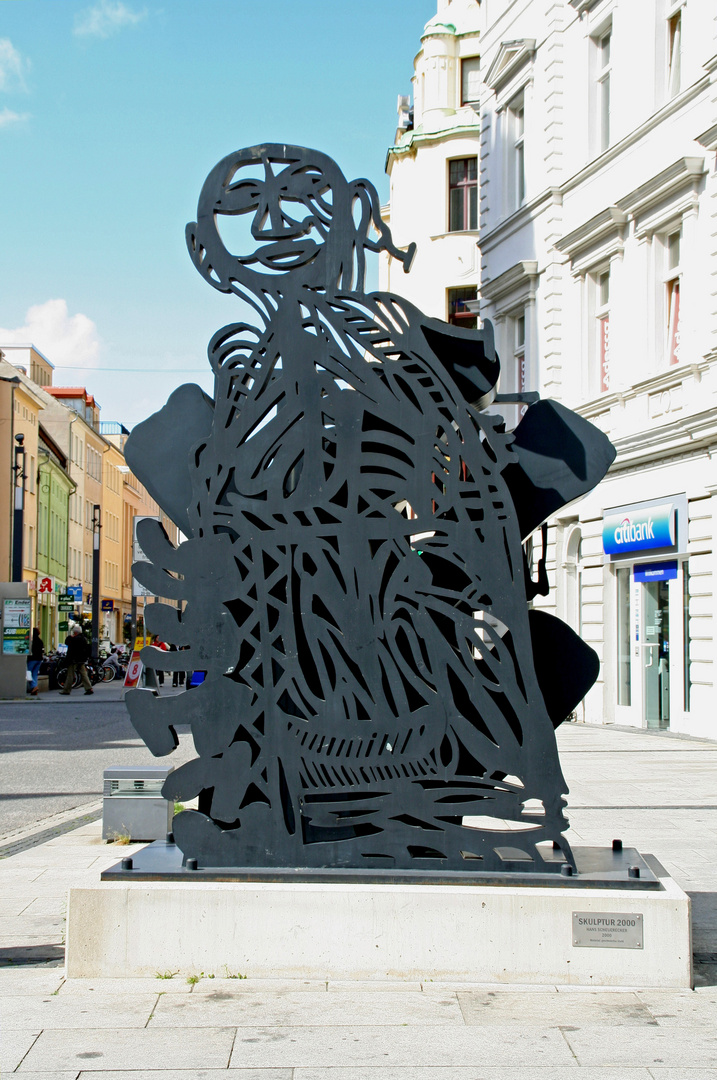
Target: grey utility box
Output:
[(133, 805)]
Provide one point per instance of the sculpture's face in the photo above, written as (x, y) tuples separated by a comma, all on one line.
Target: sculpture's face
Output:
[(289, 208)]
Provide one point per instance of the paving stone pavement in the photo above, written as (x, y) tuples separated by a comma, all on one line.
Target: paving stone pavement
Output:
[(657, 793)]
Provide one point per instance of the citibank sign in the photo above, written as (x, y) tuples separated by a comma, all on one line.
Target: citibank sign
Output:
[(639, 530)]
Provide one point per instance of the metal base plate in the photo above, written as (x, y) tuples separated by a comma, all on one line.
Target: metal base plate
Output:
[(596, 868)]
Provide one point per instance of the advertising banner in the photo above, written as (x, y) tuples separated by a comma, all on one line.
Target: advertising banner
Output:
[(134, 670), (17, 617), (639, 530)]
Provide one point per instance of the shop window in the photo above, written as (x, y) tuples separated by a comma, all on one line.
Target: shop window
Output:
[(672, 296), (674, 53), (687, 680), (462, 194), (601, 93), (470, 80), (459, 311), (624, 670)]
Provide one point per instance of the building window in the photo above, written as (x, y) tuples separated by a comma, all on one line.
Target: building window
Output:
[(519, 352), (672, 296), (462, 194), (624, 673), (470, 80), (602, 89), (516, 119), (602, 328), (674, 53), (459, 313)]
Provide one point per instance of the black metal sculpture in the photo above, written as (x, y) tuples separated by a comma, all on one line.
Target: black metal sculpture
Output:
[(355, 583)]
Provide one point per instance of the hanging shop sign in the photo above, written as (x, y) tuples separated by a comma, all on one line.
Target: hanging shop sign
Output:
[(45, 585), (107, 605), (656, 571), (16, 622), (75, 591), (639, 530)]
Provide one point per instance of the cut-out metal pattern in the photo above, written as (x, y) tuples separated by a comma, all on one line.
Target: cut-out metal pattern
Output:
[(355, 582)]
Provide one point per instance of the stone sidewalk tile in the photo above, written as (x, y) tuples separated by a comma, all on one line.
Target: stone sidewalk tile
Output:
[(16, 981), (429, 986), (29, 922), (14, 1047), (685, 1073), (359, 985), (645, 1046), (370, 1009), (12, 906), (178, 1074), (469, 1072), (682, 1009), (409, 1047), (488, 1009), (71, 1075), (252, 986), (55, 1012), (96, 1049), (47, 905), (123, 987)]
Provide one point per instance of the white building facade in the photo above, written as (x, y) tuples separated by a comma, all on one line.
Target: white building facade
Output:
[(597, 222)]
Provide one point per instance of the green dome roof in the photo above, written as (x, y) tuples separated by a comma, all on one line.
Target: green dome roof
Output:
[(437, 26)]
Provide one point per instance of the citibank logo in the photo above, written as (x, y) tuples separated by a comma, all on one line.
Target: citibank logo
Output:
[(629, 532), (639, 530)]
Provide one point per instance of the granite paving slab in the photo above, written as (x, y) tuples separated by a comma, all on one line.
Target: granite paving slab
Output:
[(372, 1008), (397, 1046), (646, 1046), (14, 1047), (54, 1011), (18, 980), (252, 986), (682, 1009), (142, 1049), (124, 987), (554, 1010), (471, 1072)]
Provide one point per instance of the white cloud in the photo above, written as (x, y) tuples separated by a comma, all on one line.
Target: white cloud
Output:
[(63, 338), (12, 67), (105, 18), (8, 117)]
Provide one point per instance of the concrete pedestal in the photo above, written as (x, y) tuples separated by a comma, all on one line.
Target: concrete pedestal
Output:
[(310, 930)]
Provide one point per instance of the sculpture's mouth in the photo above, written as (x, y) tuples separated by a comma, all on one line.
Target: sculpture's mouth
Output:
[(285, 255)]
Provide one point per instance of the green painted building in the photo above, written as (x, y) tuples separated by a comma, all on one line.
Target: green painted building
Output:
[(54, 488)]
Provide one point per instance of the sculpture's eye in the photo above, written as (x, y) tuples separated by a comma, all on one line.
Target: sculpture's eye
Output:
[(241, 198)]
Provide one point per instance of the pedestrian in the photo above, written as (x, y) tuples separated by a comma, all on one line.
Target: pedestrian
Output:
[(165, 648), (177, 676), (78, 650), (37, 651)]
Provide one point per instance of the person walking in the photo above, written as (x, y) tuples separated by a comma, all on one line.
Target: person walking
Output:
[(78, 650), (37, 651)]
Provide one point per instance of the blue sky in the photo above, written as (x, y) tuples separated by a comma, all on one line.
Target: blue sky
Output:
[(112, 112)]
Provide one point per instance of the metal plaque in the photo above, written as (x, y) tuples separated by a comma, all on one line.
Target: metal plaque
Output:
[(607, 930)]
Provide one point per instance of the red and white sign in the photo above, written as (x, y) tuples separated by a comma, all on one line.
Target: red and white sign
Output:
[(134, 671), (45, 585)]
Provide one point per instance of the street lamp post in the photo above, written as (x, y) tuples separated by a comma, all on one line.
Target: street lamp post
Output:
[(96, 526), (19, 509)]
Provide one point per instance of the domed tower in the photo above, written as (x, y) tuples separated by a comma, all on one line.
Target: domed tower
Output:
[(433, 167)]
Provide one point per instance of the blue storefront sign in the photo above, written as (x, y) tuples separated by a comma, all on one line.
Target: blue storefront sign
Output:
[(639, 530), (107, 605), (656, 571), (76, 591)]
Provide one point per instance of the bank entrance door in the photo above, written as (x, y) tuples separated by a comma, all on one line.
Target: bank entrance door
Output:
[(656, 654)]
